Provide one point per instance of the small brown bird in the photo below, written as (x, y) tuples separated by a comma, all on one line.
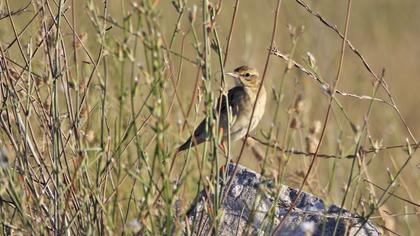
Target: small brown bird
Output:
[(241, 101)]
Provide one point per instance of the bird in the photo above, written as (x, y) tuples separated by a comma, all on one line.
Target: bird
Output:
[(241, 100)]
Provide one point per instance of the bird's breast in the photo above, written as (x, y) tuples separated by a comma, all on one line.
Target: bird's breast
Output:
[(259, 109)]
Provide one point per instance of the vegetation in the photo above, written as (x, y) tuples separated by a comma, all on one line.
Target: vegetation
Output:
[(97, 95)]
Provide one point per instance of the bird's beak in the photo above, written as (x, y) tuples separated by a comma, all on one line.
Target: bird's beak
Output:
[(233, 75)]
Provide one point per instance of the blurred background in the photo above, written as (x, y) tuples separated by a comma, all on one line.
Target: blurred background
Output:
[(386, 33)]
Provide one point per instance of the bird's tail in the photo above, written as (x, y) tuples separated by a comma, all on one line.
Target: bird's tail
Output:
[(189, 143), (184, 146), (181, 148)]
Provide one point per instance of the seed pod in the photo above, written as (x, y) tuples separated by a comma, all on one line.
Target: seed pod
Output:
[(315, 128), (192, 14), (311, 143), (90, 136), (295, 123), (299, 104)]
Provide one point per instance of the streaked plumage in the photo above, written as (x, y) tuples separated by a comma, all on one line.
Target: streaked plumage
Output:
[(241, 101)]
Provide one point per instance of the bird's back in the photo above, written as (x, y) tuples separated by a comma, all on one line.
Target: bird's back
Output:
[(239, 106)]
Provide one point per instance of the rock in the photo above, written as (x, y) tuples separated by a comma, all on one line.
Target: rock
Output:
[(249, 209)]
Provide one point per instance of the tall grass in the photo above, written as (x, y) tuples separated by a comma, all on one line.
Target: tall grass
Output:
[(97, 95)]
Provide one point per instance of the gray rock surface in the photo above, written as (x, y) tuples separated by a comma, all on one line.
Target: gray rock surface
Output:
[(251, 208)]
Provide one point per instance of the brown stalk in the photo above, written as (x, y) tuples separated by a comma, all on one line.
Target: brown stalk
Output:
[(228, 186), (334, 86)]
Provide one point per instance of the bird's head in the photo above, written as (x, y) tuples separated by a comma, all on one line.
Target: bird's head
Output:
[(248, 76)]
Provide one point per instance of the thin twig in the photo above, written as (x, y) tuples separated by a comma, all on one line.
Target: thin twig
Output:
[(228, 186), (334, 156), (334, 86)]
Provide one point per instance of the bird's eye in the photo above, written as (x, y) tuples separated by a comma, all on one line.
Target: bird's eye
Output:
[(247, 74)]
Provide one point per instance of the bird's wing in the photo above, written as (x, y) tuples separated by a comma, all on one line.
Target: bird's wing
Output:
[(200, 133), (234, 95)]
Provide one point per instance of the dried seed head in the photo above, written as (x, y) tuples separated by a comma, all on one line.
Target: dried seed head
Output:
[(212, 13), (295, 123), (274, 175), (299, 103), (136, 80), (83, 83), (311, 60), (300, 173), (47, 104), (311, 143), (377, 144), (192, 14), (51, 34), (90, 136), (85, 111), (292, 30), (315, 128), (210, 7), (71, 84)]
